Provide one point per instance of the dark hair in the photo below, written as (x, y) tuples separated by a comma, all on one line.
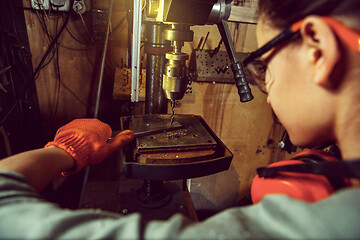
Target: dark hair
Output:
[(283, 13)]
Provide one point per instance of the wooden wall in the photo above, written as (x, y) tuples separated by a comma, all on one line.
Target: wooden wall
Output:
[(79, 67), (247, 129)]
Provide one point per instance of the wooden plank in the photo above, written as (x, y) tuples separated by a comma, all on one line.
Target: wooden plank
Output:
[(243, 14), (76, 66), (122, 84)]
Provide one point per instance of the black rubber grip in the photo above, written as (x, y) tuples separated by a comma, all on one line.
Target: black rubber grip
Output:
[(241, 83)]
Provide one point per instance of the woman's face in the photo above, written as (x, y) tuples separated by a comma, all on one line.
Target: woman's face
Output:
[(295, 99)]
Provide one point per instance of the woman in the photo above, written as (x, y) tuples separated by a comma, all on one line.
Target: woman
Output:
[(312, 77), (312, 81), (309, 62)]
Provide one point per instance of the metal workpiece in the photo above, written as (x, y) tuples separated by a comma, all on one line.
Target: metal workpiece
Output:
[(148, 123), (155, 48), (191, 134), (165, 127), (191, 151)]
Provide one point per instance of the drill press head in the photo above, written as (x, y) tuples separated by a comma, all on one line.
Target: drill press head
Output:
[(180, 15)]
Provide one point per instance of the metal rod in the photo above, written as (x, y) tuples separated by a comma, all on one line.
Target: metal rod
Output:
[(98, 96), (207, 35), (226, 37), (103, 58)]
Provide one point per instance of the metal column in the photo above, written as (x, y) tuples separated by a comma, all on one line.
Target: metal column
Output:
[(155, 47)]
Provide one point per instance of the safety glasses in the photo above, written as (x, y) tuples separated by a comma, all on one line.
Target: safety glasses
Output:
[(257, 68)]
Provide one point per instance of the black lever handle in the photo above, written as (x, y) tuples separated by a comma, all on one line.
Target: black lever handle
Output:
[(236, 66), (244, 90)]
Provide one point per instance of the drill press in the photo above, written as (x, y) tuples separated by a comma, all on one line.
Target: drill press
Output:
[(194, 150)]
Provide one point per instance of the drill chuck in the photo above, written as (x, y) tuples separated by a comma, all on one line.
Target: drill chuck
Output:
[(175, 78)]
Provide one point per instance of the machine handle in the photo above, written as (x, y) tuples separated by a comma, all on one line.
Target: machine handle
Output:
[(244, 90), (236, 66)]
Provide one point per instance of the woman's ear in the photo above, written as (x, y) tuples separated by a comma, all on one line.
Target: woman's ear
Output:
[(323, 49)]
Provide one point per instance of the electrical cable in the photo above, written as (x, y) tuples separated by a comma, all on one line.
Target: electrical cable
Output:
[(56, 52), (58, 72), (52, 45), (72, 48), (75, 37), (82, 41), (53, 53), (50, 37), (16, 55), (86, 29), (43, 25), (43, 43), (36, 71), (42, 21), (13, 54)]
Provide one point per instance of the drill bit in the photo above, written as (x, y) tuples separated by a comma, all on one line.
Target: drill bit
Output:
[(172, 111)]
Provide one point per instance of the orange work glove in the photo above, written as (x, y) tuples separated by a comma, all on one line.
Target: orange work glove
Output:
[(87, 141)]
